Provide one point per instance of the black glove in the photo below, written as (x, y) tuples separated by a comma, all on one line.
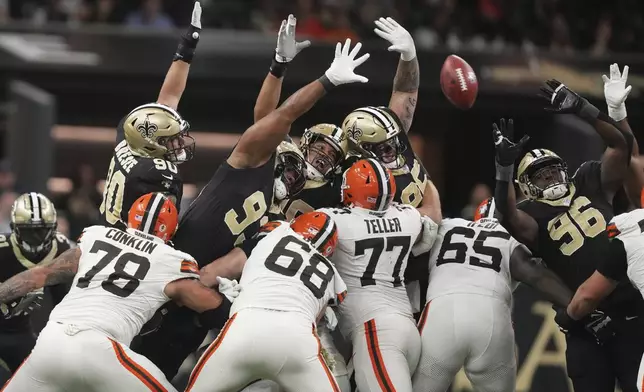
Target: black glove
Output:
[(507, 151), (566, 323), (188, 43), (561, 99), (600, 326), (27, 304)]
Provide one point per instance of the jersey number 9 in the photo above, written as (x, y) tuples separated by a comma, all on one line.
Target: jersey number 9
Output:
[(579, 222), (113, 195), (281, 251), (254, 209)]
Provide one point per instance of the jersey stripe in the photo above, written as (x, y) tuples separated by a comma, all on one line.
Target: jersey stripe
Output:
[(208, 353), (189, 267), (152, 213), (334, 383), (137, 370), (383, 184), (377, 362)]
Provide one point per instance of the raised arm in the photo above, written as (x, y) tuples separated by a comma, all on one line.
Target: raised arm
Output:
[(177, 77), (431, 204), (616, 93), (62, 269), (617, 156), (407, 80), (286, 50), (526, 269), (259, 142), (521, 225), (228, 266)]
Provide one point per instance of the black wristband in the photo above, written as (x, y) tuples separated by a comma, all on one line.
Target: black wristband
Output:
[(278, 69), (216, 318), (188, 45), (326, 83)]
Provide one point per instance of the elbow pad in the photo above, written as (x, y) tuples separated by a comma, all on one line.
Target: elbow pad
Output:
[(217, 317), (427, 237)]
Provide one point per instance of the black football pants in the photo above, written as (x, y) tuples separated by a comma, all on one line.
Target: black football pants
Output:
[(594, 368), (15, 347), (172, 342)]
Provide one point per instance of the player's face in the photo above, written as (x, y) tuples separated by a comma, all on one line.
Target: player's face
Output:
[(293, 174), (322, 156), (179, 147), (386, 151), (547, 176), (34, 237)]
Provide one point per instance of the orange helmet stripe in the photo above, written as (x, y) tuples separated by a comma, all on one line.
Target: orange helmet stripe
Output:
[(383, 184)]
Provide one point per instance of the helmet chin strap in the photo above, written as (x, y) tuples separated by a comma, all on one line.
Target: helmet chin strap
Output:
[(555, 192), (280, 191), (312, 173)]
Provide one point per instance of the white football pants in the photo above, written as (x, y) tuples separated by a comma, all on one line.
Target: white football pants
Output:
[(471, 331), (66, 358), (264, 344), (386, 350)]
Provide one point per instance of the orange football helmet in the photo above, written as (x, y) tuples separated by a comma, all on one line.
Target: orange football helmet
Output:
[(368, 184), (487, 209), (154, 213), (319, 229)]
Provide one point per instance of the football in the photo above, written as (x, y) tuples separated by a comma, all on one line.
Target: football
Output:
[(458, 82)]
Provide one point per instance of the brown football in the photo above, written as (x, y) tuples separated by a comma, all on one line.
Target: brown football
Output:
[(458, 82)]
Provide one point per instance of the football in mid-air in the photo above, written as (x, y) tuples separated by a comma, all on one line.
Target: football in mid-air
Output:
[(458, 82)]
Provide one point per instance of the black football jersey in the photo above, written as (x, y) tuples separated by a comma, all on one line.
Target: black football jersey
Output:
[(130, 177), (14, 262), (230, 208), (316, 194), (572, 238), (411, 178)]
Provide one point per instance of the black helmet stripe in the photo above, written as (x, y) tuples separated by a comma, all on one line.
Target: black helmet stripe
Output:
[(383, 184), (326, 232), (385, 122), (36, 208), (152, 213)]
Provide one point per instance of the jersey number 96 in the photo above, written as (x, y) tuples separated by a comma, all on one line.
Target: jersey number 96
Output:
[(572, 227)]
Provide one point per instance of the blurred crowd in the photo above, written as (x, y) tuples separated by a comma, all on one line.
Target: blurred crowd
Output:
[(597, 26)]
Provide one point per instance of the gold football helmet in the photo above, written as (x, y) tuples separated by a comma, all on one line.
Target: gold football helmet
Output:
[(324, 147), (158, 131), (290, 171), (542, 174), (374, 133), (33, 222)]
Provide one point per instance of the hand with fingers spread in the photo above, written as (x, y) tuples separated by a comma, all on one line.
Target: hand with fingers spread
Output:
[(507, 151), (188, 44), (616, 92), (287, 47), (400, 39), (342, 69)]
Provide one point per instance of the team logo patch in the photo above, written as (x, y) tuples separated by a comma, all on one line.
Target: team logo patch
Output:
[(147, 129)]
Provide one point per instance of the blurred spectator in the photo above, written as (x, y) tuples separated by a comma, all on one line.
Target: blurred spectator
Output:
[(63, 224), (334, 15), (479, 193), (82, 203), (100, 11), (150, 14), (7, 179), (6, 201)]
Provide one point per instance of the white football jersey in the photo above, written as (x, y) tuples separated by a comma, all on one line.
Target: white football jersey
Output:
[(120, 281), (471, 257), (628, 228), (284, 272), (371, 256)]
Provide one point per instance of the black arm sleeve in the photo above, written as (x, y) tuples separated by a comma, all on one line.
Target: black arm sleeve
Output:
[(615, 266)]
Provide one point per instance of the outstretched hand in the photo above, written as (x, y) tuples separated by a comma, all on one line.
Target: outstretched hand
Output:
[(287, 47), (507, 151), (345, 62), (560, 98)]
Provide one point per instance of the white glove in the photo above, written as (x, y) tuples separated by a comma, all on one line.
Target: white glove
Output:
[(330, 318), (287, 47), (196, 16), (229, 288), (341, 69), (427, 237), (616, 92), (400, 39)]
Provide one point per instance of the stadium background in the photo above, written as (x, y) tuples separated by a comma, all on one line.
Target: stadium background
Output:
[(70, 69)]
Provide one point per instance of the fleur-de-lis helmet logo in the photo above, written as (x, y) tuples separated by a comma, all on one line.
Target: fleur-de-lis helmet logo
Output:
[(147, 129), (354, 133)]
